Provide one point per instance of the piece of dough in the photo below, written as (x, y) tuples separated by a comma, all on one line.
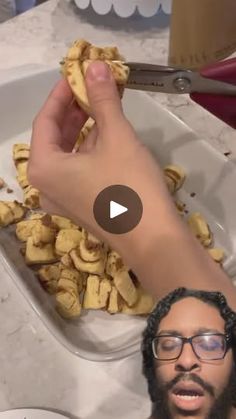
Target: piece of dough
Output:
[(75, 65)]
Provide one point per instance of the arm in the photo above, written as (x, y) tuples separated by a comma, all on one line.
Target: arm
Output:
[(160, 250)]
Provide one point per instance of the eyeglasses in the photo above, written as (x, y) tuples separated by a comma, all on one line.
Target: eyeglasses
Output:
[(206, 347)]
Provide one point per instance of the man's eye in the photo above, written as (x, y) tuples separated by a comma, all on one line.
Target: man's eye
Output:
[(210, 344), (168, 345)]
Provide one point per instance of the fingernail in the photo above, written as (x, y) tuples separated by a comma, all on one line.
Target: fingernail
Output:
[(98, 71)]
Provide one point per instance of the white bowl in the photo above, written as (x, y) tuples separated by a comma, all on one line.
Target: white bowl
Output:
[(126, 8)]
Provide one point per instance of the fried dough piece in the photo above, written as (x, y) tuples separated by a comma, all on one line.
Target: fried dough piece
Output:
[(71, 274), (75, 65), (200, 228), (175, 177), (2, 183), (90, 251), (11, 212), (84, 133), (68, 304), (6, 215), (66, 284), (90, 237), (217, 255), (63, 223), (21, 177), (96, 268), (36, 215), (18, 210), (49, 276), (143, 306), (66, 261), (126, 288), (104, 291), (67, 239), (114, 263), (39, 255), (21, 152), (96, 293), (31, 197), (114, 305), (42, 234), (24, 229)]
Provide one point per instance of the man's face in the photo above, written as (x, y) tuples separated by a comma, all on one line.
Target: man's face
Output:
[(191, 387)]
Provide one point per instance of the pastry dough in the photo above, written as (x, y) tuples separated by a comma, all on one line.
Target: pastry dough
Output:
[(96, 268), (200, 228), (49, 276), (97, 292), (126, 288), (143, 306), (67, 239), (76, 63), (11, 212)]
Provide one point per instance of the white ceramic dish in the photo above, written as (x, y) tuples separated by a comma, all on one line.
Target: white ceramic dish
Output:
[(96, 335), (30, 414)]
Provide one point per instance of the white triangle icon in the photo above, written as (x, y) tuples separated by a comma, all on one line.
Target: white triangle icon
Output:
[(116, 209)]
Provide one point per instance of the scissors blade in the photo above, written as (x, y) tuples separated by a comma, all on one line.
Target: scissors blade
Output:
[(155, 78)]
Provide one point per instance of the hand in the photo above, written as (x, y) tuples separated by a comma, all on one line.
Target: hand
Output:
[(160, 249), (112, 154)]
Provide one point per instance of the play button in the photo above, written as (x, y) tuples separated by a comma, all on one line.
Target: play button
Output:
[(118, 209)]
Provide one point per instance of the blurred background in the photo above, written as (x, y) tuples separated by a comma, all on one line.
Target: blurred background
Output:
[(11, 8)]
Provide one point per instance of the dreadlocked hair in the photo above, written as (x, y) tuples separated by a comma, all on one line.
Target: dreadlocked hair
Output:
[(215, 299)]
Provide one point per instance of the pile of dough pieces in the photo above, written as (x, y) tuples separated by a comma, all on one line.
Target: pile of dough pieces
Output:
[(72, 264)]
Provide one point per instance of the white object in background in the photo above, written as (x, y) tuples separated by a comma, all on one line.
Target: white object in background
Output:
[(30, 414), (126, 8)]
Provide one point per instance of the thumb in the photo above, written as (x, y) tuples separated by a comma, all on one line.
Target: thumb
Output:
[(103, 95)]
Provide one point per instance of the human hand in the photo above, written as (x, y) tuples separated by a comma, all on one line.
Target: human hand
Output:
[(160, 249), (112, 154)]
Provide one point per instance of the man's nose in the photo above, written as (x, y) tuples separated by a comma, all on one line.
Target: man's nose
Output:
[(187, 361)]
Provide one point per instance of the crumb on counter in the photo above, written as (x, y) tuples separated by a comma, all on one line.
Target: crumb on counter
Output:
[(2, 183), (9, 190)]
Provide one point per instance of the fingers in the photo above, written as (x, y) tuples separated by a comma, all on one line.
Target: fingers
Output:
[(74, 120), (48, 135), (103, 95), (90, 141)]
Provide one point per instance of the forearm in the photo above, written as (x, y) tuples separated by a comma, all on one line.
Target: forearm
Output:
[(165, 255)]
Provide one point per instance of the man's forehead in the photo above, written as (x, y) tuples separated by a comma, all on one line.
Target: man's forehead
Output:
[(191, 315)]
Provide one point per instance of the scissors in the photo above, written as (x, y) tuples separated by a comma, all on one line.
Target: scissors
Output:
[(213, 87)]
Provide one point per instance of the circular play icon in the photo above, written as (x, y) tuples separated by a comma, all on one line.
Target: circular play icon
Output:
[(118, 209)]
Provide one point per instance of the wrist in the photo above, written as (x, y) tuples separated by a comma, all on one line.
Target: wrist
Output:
[(160, 223)]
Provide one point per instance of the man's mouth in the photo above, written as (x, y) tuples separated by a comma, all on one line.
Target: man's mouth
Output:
[(187, 396)]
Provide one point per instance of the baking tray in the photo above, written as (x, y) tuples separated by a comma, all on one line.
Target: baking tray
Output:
[(96, 335)]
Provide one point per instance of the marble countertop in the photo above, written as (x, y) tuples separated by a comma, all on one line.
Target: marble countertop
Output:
[(36, 371)]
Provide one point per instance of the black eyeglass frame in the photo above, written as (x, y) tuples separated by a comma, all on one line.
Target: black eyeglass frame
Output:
[(189, 340)]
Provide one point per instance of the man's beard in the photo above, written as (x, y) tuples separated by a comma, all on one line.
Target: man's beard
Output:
[(220, 410)]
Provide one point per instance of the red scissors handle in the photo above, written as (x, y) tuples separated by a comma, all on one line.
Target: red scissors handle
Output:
[(223, 107)]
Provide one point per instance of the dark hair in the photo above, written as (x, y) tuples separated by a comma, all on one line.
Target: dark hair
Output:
[(215, 299)]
